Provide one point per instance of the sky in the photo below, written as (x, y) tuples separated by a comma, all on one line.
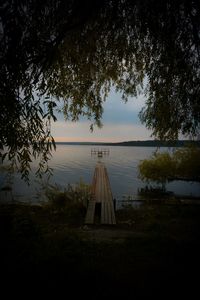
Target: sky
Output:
[(120, 123)]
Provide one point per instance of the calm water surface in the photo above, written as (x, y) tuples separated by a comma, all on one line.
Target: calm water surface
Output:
[(72, 163)]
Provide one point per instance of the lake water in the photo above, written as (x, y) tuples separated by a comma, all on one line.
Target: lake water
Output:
[(72, 163)]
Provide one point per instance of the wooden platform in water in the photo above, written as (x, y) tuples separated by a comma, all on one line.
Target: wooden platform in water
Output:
[(102, 198)]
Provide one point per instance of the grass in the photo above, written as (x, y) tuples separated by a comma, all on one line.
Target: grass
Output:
[(152, 251)]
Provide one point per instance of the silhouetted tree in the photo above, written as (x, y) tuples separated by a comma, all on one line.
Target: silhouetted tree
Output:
[(68, 54)]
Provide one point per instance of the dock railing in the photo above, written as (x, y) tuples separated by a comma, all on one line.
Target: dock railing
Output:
[(100, 152)]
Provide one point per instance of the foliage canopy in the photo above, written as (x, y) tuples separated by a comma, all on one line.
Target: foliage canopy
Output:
[(68, 54)]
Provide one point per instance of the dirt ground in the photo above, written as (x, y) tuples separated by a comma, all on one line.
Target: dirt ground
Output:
[(151, 252)]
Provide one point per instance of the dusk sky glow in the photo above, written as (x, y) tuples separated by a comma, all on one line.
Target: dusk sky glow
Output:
[(120, 123)]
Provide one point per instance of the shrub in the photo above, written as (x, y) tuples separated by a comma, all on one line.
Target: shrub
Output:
[(69, 198), (183, 164)]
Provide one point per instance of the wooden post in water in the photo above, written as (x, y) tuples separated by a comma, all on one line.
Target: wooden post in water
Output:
[(100, 152)]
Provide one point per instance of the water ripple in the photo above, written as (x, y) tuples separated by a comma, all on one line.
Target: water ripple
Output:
[(72, 163)]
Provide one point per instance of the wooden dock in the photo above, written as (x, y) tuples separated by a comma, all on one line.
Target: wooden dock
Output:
[(102, 198)]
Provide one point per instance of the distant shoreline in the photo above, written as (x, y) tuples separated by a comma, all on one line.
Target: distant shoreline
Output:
[(146, 143)]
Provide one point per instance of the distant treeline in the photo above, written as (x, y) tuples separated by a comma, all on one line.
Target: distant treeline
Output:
[(147, 143), (157, 143)]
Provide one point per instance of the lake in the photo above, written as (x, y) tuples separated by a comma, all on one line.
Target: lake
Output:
[(72, 163)]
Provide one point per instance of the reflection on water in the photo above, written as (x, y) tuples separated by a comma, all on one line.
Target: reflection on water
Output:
[(74, 162)]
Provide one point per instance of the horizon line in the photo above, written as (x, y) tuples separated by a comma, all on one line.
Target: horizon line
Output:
[(127, 141)]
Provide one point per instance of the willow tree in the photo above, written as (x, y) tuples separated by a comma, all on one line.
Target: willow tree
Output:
[(182, 164), (68, 54)]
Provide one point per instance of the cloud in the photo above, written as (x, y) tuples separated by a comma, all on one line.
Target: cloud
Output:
[(120, 123), (68, 131), (117, 111)]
